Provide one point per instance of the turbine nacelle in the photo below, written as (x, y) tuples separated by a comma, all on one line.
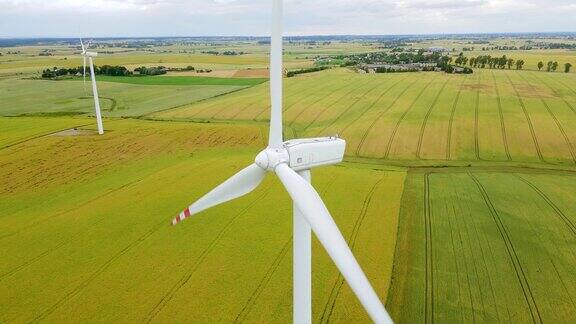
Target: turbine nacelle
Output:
[(303, 154)]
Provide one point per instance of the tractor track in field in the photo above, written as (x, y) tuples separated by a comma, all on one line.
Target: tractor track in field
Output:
[(272, 269), (315, 102), (267, 107), (73, 209), (566, 86), (167, 297), (400, 120), (73, 237), (352, 90), (429, 293), (451, 120), (530, 126), (304, 97), (571, 225), (557, 93), (263, 283), (465, 264), (556, 121), (426, 117), (501, 113), (520, 273), (367, 131), (213, 116), (95, 274), (41, 135), (337, 286), (353, 104), (477, 121)]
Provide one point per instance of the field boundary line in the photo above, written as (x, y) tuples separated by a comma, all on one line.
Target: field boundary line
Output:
[(354, 104), (530, 126), (166, 298), (425, 122), (556, 121), (339, 282), (520, 274), (191, 103), (400, 120), (451, 120), (40, 136), (550, 203), (501, 113)]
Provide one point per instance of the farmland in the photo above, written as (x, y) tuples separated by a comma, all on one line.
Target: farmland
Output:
[(64, 198), (494, 116), (456, 193), (483, 254)]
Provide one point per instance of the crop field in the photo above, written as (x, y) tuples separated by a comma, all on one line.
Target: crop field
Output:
[(20, 97), (87, 218), (483, 254), (491, 115), (456, 193), (183, 80)]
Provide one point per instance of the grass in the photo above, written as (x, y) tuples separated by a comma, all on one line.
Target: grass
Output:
[(18, 130), (87, 218), (483, 254), (183, 80)]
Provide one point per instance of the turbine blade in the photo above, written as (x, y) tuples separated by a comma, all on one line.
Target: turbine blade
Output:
[(275, 138), (82, 44), (239, 185), (311, 206)]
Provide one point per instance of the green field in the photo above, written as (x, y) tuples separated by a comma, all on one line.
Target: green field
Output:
[(20, 97), (456, 193), (183, 80), (88, 218), (492, 115), (484, 254)]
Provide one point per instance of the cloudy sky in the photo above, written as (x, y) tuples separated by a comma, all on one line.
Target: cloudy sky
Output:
[(101, 18)]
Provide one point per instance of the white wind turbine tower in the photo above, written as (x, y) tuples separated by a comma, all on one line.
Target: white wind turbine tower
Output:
[(90, 56), (292, 161)]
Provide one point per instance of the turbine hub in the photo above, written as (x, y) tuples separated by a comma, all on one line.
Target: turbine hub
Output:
[(270, 158)]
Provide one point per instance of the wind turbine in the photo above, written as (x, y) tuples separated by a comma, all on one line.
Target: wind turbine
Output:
[(90, 56), (292, 161)]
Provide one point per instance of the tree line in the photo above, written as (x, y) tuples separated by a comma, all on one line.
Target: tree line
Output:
[(503, 62)]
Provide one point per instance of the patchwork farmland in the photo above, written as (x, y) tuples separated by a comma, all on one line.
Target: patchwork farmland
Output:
[(461, 208)]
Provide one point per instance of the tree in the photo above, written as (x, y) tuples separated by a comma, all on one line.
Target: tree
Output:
[(510, 63), (567, 67), (540, 65), (519, 64), (549, 66), (554, 66)]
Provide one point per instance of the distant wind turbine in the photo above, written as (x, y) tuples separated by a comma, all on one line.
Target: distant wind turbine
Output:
[(291, 161), (90, 56)]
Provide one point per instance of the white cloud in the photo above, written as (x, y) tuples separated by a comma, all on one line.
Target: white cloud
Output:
[(251, 17)]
